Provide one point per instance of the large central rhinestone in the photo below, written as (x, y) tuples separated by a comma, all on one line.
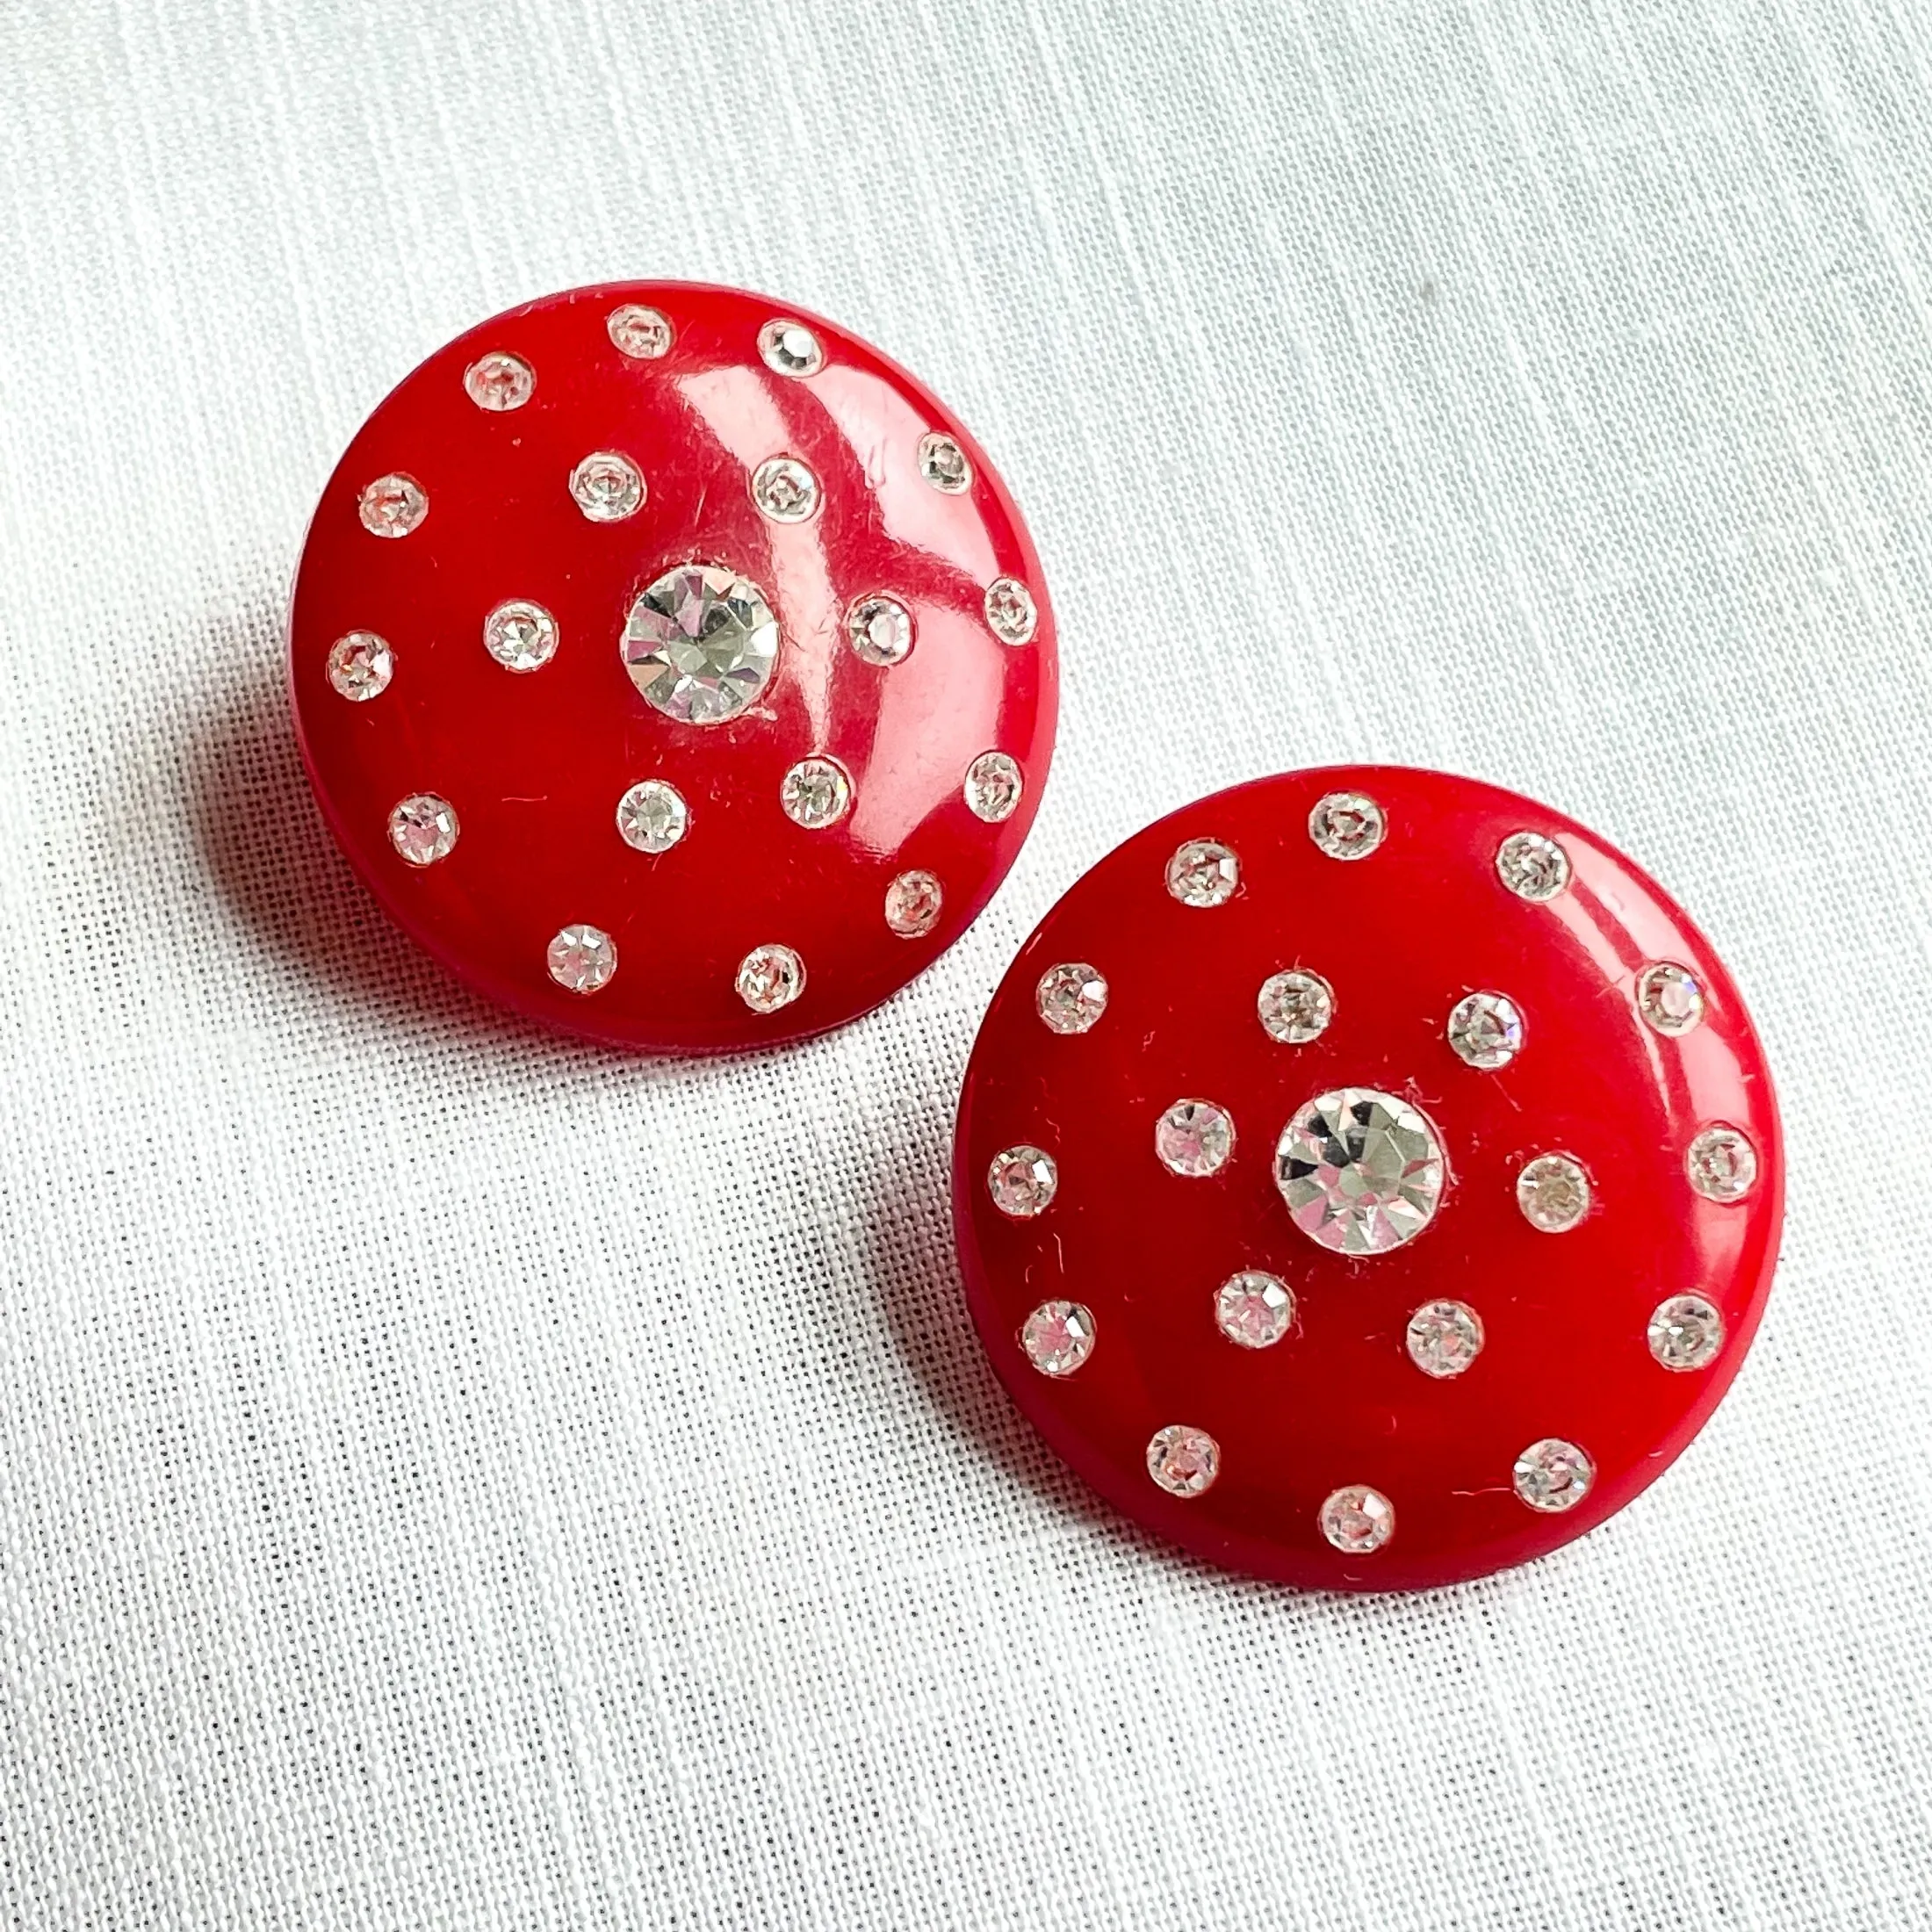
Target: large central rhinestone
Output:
[(700, 643), (1362, 1172)]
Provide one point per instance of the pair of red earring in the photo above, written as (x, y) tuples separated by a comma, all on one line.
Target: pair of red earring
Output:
[(1364, 1177)]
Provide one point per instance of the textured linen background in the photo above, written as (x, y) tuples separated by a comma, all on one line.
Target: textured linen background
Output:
[(451, 1478)]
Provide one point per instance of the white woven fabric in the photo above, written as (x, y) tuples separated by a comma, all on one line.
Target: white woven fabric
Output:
[(452, 1479)]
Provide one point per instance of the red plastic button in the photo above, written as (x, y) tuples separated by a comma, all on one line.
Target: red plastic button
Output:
[(1368, 1178), (673, 667)]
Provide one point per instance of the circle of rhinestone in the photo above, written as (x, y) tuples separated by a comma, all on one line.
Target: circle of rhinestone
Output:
[(913, 903), (1296, 1006), (1071, 997), (582, 958), (790, 349), (816, 793), (423, 828), (642, 334), (520, 635), (1012, 615), (1347, 825), (1722, 1163), (944, 465), (880, 629), (1362, 1172), (1532, 866), (1194, 1138), (500, 381), (1670, 998), (770, 977), (784, 489), (1357, 1520), (1685, 1333), (653, 816), (1058, 1336), (1184, 1461), (1253, 1309), (608, 486), (1486, 1030), (993, 786), (393, 506), (1443, 1337), (1203, 873), (1022, 1181), (700, 643), (1552, 1475), (360, 665), (1554, 1192)]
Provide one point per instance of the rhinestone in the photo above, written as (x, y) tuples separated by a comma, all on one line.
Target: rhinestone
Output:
[(1486, 1030), (944, 465), (1532, 866), (1022, 1181), (1203, 873), (1554, 1192), (1010, 614), (1071, 997), (1686, 1332), (1254, 1311), (582, 958), (880, 629), (1347, 825), (1362, 1172), (1194, 1138), (816, 793), (608, 487), (393, 506), (784, 489), (653, 816), (1553, 1474), (1670, 998), (500, 381), (520, 635), (913, 903), (1058, 1336), (790, 348), (423, 828), (700, 643), (643, 334), (1296, 1006), (770, 977), (993, 786), (1357, 1520), (1184, 1461), (1722, 1163), (1443, 1337), (360, 665)]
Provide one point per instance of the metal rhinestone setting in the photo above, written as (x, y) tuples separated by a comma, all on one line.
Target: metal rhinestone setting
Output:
[(1071, 997), (423, 828), (520, 635), (790, 349), (1722, 1164), (993, 786), (1357, 1520), (700, 643), (1254, 1309), (1203, 873), (393, 506), (500, 381), (1347, 825), (640, 333), (1554, 1192), (1184, 1461), (1552, 1475), (879, 631), (815, 793), (1012, 615), (1485, 1031), (608, 486), (1362, 1172), (1443, 1338), (653, 816), (912, 904), (785, 489), (770, 977), (582, 958), (360, 665), (1058, 1336), (1296, 1006), (1686, 1333), (944, 465), (1021, 1181), (1194, 1138), (1532, 866), (1670, 998)]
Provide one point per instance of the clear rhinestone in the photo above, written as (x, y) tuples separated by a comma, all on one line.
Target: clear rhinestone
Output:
[(1554, 1192), (880, 629), (1552, 1475), (423, 828), (913, 903), (1203, 873), (607, 485), (393, 506), (1532, 866), (1011, 613), (700, 643), (1486, 1030), (1670, 998), (1347, 825), (500, 381), (770, 977), (784, 489), (1184, 1461), (1357, 1520), (1194, 1138), (1722, 1163), (1443, 1337), (520, 635), (643, 334), (1362, 1172), (1022, 1181), (653, 816), (993, 786), (582, 958), (1254, 1311), (360, 665), (1071, 997), (944, 465), (816, 793), (1296, 1006), (1686, 1332), (790, 348), (1058, 1336)]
